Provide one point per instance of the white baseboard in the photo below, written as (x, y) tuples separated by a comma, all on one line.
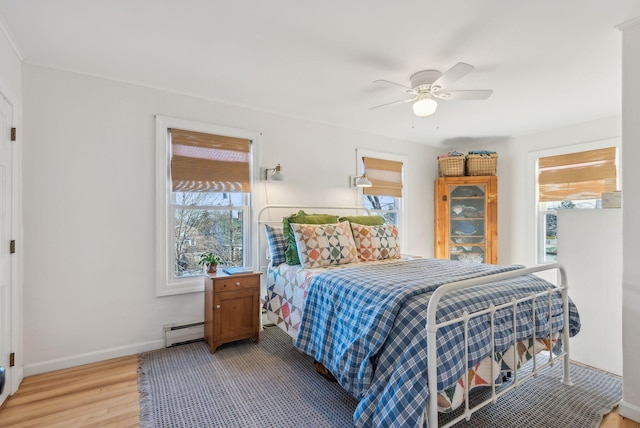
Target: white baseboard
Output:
[(90, 357), (629, 411), (16, 379)]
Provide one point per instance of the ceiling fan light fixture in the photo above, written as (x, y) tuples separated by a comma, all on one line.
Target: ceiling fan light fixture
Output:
[(427, 85), (425, 107)]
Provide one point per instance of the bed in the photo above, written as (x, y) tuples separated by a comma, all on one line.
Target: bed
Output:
[(384, 325)]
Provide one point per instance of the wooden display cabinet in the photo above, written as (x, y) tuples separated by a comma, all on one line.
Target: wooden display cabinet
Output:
[(231, 308), (466, 219)]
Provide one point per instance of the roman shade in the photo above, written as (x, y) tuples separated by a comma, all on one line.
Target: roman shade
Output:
[(209, 163), (385, 175), (575, 176)]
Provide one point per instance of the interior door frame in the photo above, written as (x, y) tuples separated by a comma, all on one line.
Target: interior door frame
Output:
[(15, 375)]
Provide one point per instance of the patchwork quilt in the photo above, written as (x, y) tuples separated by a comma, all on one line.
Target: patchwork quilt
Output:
[(366, 324), (287, 288), (480, 375)]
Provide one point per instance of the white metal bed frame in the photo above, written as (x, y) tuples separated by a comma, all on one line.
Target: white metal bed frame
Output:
[(432, 326)]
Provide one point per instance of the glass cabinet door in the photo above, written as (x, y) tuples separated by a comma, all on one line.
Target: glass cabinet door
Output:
[(467, 222)]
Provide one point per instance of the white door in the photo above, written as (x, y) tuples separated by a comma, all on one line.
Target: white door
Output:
[(5, 238)]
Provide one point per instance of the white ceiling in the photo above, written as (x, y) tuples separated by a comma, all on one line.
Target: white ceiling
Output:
[(550, 63)]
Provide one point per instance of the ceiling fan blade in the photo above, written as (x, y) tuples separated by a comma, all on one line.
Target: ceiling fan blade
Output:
[(473, 94), (456, 72), (394, 83), (392, 103)]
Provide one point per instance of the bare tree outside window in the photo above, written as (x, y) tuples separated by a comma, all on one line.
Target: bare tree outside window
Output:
[(382, 205), (207, 222)]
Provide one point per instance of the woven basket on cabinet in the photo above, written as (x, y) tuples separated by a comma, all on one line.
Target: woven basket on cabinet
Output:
[(451, 166), (482, 164)]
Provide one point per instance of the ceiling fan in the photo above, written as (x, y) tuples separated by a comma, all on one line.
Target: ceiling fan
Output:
[(427, 85)]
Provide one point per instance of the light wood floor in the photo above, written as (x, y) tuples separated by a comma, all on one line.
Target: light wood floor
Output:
[(614, 420), (105, 394)]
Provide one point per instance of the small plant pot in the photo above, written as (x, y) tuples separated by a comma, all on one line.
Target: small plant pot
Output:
[(212, 268)]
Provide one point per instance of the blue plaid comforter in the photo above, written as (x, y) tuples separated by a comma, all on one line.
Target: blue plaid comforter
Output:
[(367, 326)]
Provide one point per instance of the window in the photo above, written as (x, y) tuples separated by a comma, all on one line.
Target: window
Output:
[(204, 200), (386, 206), (574, 180), (385, 196)]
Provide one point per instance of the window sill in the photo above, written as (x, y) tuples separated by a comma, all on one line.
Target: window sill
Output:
[(190, 285)]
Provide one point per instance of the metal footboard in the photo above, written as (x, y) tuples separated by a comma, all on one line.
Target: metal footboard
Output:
[(432, 329)]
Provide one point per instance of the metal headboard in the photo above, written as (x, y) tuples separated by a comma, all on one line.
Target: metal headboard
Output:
[(262, 219)]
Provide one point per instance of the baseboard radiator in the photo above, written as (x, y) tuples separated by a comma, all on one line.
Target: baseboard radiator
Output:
[(181, 333)]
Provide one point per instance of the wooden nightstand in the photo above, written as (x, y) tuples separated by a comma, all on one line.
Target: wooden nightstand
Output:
[(231, 308)]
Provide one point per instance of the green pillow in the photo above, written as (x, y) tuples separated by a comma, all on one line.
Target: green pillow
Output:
[(367, 220), (291, 254)]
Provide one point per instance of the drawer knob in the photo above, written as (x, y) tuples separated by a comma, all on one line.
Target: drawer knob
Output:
[(217, 306), (238, 284)]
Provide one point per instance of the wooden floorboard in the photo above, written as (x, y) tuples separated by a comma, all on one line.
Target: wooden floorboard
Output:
[(614, 420), (105, 394)]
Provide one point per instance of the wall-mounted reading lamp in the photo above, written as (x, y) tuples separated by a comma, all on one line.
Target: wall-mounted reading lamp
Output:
[(273, 174), (362, 181)]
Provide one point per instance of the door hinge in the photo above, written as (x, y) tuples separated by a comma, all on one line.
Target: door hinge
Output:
[(12, 246), (12, 359), (13, 134)]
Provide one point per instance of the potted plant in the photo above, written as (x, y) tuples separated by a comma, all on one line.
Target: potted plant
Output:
[(210, 261)]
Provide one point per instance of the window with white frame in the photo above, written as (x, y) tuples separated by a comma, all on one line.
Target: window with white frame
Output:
[(204, 200), (385, 196), (573, 180)]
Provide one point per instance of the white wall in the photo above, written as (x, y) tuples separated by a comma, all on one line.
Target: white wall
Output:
[(630, 405), (590, 249), (89, 206), (10, 69)]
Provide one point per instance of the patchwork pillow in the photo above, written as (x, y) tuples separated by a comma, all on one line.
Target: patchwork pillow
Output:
[(376, 242), (291, 253), (321, 245), (276, 244)]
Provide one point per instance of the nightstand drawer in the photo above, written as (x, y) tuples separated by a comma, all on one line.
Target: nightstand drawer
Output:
[(233, 283)]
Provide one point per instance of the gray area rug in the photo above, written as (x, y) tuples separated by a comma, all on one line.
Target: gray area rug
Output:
[(271, 384)]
